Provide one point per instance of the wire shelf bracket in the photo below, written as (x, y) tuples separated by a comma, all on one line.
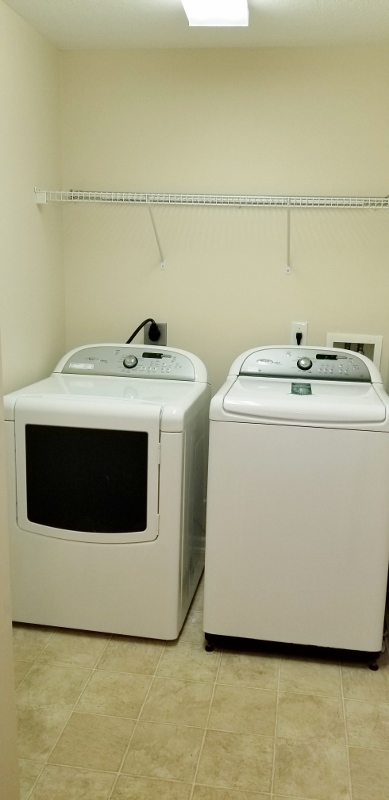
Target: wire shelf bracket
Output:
[(162, 263)]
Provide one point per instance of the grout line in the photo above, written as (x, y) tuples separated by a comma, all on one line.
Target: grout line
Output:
[(25, 676), (151, 778), (167, 678), (206, 725), (374, 749), (309, 693), (232, 685), (288, 797), (34, 660), (116, 774), (368, 700), (138, 719), (70, 714), (61, 666), (257, 794), (36, 779), (273, 773), (79, 768), (195, 727), (119, 772), (247, 792), (346, 734), (33, 663), (93, 714)]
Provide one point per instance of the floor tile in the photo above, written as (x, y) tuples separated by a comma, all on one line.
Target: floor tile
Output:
[(20, 669), (169, 752), (210, 793), (249, 669), (193, 628), (124, 654), (48, 685), (117, 694), (178, 702), (367, 724), (29, 641), (303, 717), (236, 761), (310, 677), (188, 661), (28, 773), (65, 783), (311, 770), (145, 789), (362, 683), (244, 710), (74, 648), (369, 774), (93, 742), (39, 729)]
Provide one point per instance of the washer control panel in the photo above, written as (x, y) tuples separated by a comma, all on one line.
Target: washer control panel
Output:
[(131, 361), (296, 362)]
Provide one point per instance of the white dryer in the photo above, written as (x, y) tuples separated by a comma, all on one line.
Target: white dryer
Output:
[(298, 500), (107, 464)]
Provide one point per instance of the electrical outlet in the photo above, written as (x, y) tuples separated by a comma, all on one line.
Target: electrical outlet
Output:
[(163, 337), (299, 327)]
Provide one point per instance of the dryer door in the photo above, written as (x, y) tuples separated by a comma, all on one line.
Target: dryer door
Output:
[(87, 468)]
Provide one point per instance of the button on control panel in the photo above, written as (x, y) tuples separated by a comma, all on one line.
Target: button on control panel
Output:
[(130, 361), (293, 362)]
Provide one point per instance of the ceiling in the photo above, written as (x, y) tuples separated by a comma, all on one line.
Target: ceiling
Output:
[(124, 24)]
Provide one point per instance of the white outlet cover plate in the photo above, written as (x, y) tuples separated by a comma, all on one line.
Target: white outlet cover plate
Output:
[(299, 327)]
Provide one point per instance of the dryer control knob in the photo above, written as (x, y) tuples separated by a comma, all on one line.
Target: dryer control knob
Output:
[(304, 363), (130, 362)]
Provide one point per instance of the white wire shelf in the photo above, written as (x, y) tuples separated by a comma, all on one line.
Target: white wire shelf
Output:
[(240, 201)]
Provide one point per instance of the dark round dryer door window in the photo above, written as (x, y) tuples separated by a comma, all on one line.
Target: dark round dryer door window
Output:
[(87, 479)]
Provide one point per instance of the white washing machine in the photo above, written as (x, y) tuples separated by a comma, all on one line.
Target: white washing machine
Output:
[(298, 500), (107, 463)]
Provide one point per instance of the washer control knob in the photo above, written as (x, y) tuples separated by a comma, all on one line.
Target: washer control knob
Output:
[(304, 363), (130, 362)]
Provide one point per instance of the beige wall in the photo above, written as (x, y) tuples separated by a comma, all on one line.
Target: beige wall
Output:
[(9, 779), (296, 121), (31, 277), (267, 121), (31, 266)]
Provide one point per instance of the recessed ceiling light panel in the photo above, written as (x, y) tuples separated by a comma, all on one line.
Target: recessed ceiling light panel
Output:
[(216, 12)]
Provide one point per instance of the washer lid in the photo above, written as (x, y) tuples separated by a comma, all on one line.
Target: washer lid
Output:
[(303, 401)]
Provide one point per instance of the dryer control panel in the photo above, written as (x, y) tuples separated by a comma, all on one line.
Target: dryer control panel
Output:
[(299, 362), (131, 361)]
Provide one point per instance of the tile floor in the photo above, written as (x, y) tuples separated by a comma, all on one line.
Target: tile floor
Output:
[(113, 718)]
